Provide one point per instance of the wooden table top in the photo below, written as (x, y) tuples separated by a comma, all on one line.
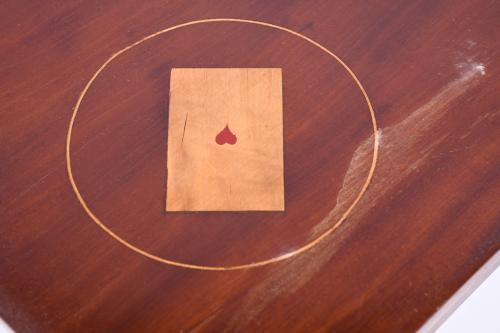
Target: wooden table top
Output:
[(387, 214)]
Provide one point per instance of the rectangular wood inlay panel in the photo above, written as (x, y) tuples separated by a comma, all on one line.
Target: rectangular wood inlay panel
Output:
[(225, 140)]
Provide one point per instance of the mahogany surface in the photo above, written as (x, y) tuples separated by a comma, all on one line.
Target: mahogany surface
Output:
[(429, 219)]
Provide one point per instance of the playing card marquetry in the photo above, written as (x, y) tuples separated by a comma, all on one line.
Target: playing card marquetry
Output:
[(225, 140)]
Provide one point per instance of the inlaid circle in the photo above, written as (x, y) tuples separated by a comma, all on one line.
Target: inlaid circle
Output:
[(312, 157)]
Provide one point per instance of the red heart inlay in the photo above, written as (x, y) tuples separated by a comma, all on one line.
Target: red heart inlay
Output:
[(225, 136)]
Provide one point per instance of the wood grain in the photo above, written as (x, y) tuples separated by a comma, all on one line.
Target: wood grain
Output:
[(429, 220), (225, 140)]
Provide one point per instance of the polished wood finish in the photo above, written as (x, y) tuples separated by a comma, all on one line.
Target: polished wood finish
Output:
[(428, 221)]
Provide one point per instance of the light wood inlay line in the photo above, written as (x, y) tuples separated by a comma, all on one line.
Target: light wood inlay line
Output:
[(275, 259)]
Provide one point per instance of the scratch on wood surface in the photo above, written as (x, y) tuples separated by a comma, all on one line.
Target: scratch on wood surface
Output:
[(403, 148), (402, 152), (184, 129), (202, 325)]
